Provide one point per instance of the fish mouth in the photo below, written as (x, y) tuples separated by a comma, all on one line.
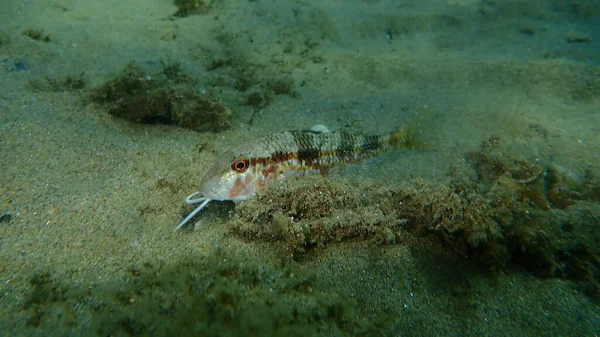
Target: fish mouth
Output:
[(213, 195), (203, 199)]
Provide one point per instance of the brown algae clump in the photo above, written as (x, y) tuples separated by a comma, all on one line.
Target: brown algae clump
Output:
[(192, 7), (314, 211), (504, 210), (36, 34), (166, 98)]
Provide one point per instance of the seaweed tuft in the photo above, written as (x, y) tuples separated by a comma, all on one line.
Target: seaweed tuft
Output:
[(58, 84), (314, 212), (169, 97), (216, 295), (192, 7), (36, 34)]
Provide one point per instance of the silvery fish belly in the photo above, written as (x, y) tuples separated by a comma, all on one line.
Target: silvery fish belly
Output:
[(248, 169)]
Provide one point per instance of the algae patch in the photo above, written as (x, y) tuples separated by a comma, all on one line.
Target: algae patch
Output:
[(218, 295), (4, 39), (169, 97), (58, 84), (312, 212), (36, 35), (192, 7)]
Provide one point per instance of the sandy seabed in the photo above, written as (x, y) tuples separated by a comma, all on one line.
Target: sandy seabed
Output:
[(493, 88)]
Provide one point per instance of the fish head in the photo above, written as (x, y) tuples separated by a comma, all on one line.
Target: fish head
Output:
[(230, 178)]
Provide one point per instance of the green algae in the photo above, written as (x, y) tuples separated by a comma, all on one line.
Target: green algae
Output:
[(220, 295)]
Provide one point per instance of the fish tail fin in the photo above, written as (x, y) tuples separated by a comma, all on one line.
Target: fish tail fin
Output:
[(404, 138)]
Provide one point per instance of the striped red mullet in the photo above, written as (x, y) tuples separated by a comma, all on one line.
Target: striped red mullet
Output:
[(249, 168)]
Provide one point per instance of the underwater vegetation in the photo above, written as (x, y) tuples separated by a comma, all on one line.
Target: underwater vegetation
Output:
[(169, 97), (36, 34), (4, 39), (497, 211), (236, 297), (253, 84), (61, 83), (242, 72), (192, 7)]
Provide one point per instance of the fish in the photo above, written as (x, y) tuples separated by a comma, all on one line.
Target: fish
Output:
[(248, 169)]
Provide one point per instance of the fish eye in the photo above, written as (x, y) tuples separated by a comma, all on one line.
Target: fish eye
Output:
[(239, 165)]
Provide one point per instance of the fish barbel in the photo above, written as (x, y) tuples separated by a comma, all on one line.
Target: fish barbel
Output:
[(249, 168)]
